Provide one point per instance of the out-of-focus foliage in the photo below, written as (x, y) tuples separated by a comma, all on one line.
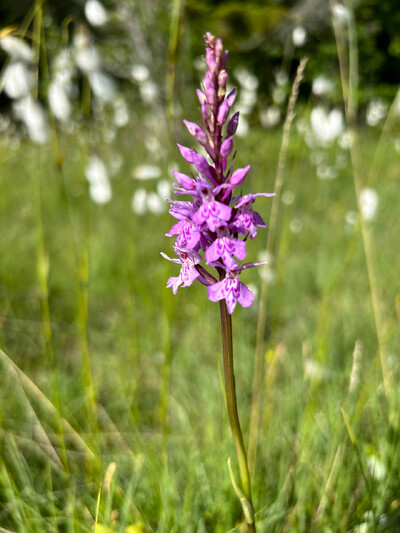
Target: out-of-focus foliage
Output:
[(266, 29)]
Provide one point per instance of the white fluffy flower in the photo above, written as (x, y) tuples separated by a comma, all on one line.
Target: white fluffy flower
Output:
[(322, 85), (99, 183), (326, 126), (299, 36), (32, 114), (270, 117), (140, 73), (146, 172), (369, 201), (88, 59), (139, 204), (95, 13), (16, 48), (103, 86), (58, 101), (17, 80), (376, 111)]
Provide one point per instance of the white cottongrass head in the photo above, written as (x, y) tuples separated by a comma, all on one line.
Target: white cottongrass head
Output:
[(16, 48), (148, 91), (376, 112), (140, 73), (270, 117), (17, 80), (146, 172), (99, 183), (322, 85), (121, 112), (326, 126), (341, 12), (164, 189), (155, 204), (139, 201), (103, 85), (59, 102), (95, 13), (32, 114), (246, 79), (88, 59), (299, 36), (369, 201)]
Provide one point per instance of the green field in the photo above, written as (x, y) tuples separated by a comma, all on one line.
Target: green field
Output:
[(102, 367)]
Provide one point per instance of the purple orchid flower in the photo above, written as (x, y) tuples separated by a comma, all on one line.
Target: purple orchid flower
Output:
[(211, 211), (188, 234), (188, 259), (213, 221), (225, 246)]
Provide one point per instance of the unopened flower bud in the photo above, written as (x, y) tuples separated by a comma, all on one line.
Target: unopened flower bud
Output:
[(239, 175), (231, 97), (233, 124), (226, 147), (222, 79), (201, 96), (187, 153), (223, 112), (184, 181)]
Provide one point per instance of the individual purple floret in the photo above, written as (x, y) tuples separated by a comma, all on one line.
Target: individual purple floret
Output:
[(188, 272), (214, 221)]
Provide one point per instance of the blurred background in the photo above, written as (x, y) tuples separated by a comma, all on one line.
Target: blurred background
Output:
[(112, 415)]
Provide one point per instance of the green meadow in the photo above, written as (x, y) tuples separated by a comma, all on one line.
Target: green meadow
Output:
[(112, 410), (112, 404)]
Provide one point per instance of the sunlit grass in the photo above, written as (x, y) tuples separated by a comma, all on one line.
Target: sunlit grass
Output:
[(164, 425)]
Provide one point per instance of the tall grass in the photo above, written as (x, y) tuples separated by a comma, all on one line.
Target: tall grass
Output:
[(111, 409)]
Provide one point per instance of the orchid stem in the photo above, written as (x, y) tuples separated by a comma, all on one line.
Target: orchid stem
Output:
[(231, 404)]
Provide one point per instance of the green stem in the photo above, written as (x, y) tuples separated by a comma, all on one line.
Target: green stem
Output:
[(231, 404)]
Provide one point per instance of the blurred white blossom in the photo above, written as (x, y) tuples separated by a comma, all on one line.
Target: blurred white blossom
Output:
[(95, 13), (103, 85), (376, 467), (278, 95), (140, 73), (32, 114), (16, 48), (164, 189), (148, 91), (281, 77), (146, 172), (17, 79), (322, 85), (246, 79), (58, 101), (121, 113), (376, 111), (88, 59), (326, 126), (99, 183), (299, 36), (369, 201), (341, 12), (139, 205), (270, 117), (155, 204)]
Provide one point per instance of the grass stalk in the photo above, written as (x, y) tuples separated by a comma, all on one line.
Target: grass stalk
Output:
[(349, 79), (255, 412)]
